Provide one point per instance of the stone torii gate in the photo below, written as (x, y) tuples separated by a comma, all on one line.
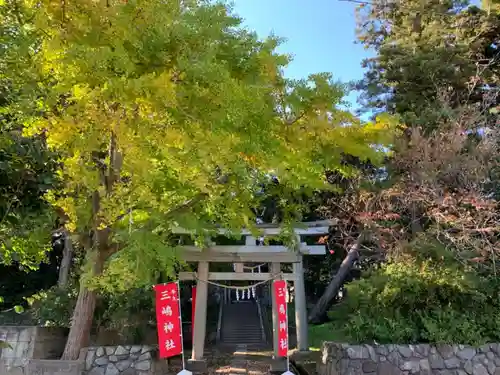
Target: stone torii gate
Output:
[(251, 253)]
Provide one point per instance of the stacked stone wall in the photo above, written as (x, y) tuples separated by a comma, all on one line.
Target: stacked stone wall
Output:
[(122, 360), (423, 359)]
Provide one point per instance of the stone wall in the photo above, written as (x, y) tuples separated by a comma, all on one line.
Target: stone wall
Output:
[(122, 360), (53, 367), (28, 342), (422, 359)]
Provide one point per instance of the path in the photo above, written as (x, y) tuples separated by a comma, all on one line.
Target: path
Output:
[(243, 348), (242, 335), (239, 362), (243, 363)]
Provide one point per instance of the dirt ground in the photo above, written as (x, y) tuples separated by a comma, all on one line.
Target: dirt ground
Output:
[(218, 362)]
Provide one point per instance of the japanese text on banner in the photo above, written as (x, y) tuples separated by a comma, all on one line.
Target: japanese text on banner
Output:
[(280, 299), (168, 320)]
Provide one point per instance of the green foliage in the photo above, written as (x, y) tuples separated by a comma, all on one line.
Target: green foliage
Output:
[(420, 299), (130, 313), (426, 49), (175, 122), (27, 171), (54, 306), (27, 167), (136, 266), (124, 312)]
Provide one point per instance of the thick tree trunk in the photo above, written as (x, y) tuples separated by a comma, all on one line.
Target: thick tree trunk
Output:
[(83, 315), (99, 242), (318, 313), (81, 324), (65, 267)]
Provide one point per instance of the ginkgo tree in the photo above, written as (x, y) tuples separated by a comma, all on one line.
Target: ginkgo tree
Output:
[(169, 113)]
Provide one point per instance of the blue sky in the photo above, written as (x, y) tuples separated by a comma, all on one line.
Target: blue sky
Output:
[(320, 34)]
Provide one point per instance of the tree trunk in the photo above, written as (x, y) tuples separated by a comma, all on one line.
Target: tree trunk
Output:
[(65, 267), (97, 252), (416, 226), (83, 315), (319, 310), (81, 324)]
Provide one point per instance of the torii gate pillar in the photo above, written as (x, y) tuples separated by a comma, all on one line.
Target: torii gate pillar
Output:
[(275, 270), (200, 317), (300, 307)]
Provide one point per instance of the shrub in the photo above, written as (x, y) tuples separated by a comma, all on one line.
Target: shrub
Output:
[(124, 312), (411, 299), (54, 306), (130, 313)]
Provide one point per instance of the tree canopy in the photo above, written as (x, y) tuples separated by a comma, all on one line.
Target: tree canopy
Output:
[(27, 167), (433, 212), (167, 114), (426, 50)]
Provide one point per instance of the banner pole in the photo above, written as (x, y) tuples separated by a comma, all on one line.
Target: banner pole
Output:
[(180, 322), (287, 337), (193, 310)]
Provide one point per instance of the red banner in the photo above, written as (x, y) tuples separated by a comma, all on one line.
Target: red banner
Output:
[(168, 319), (279, 289)]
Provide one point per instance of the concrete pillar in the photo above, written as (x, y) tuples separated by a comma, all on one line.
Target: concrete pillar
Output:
[(275, 269), (300, 307), (200, 314)]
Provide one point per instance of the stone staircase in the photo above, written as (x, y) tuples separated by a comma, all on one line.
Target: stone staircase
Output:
[(241, 325)]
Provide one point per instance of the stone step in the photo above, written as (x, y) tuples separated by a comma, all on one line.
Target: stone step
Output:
[(239, 330), (241, 325), (241, 341), (242, 337), (253, 331), (237, 337), (227, 335)]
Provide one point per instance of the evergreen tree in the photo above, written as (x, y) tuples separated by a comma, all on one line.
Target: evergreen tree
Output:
[(426, 50)]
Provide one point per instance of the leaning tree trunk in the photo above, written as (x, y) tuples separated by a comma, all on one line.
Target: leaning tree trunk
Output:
[(83, 315), (320, 309)]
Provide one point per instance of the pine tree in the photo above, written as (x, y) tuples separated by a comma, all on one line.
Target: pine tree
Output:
[(426, 50)]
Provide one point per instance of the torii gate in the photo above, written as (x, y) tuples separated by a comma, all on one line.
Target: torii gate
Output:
[(250, 252)]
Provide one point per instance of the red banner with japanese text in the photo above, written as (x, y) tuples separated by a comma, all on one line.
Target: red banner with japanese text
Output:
[(279, 289), (168, 320)]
